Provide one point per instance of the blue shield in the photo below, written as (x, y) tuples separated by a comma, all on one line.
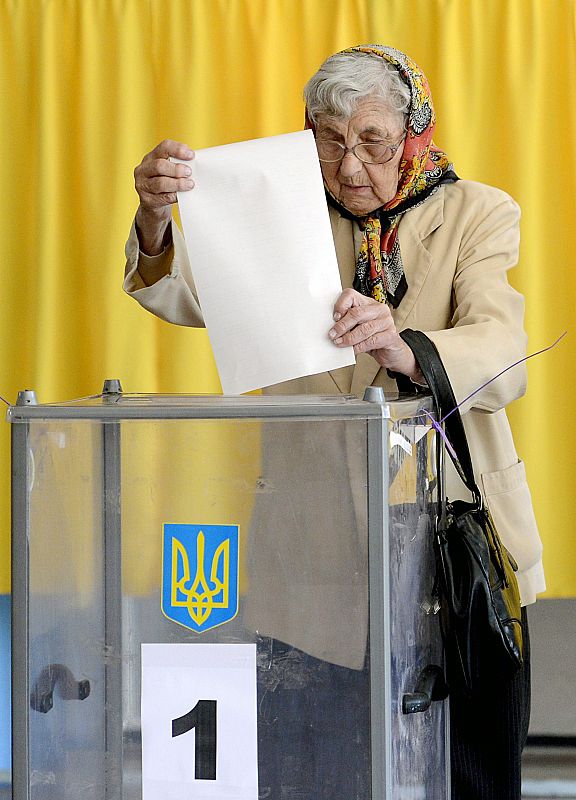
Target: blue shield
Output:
[(200, 575)]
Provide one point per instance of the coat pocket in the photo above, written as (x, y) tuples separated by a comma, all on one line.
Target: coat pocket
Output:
[(508, 498)]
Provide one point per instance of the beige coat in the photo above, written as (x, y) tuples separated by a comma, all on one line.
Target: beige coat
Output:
[(456, 248)]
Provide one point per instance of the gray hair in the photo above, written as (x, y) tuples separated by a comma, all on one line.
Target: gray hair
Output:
[(346, 78)]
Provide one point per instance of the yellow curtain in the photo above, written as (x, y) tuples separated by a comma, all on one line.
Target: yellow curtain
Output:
[(88, 86)]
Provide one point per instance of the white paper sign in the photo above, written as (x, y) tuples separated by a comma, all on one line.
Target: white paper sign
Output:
[(199, 725), (260, 244), (414, 432), (397, 440)]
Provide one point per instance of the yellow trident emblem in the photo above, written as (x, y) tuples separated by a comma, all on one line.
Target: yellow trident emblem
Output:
[(203, 596)]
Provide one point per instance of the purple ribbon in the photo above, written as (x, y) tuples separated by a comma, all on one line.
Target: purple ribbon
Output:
[(515, 364), (438, 425)]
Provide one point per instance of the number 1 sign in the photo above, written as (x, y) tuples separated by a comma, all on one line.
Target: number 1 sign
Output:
[(199, 730)]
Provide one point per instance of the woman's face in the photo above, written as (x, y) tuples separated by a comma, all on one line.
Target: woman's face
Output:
[(361, 187)]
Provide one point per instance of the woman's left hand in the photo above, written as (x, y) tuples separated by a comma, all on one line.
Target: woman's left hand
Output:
[(368, 326)]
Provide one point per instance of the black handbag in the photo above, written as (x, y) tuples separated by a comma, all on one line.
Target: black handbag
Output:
[(476, 581)]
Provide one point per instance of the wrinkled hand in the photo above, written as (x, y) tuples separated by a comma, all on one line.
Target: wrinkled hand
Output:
[(157, 180), (368, 326)]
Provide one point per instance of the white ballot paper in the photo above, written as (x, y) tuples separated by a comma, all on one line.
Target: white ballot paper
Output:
[(260, 244)]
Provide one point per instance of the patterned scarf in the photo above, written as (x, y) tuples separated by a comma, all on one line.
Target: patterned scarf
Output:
[(423, 167)]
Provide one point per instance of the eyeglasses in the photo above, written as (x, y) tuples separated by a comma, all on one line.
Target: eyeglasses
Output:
[(367, 152)]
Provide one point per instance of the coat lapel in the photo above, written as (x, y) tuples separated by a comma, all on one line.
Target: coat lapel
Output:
[(414, 229), (415, 226)]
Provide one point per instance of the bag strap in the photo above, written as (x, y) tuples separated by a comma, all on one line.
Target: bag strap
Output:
[(433, 370)]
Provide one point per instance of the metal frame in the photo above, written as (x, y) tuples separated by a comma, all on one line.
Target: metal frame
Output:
[(112, 581), (20, 636), (103, 408), (379, 623)]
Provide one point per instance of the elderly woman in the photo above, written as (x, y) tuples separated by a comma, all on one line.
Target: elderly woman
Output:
[(417, 248)]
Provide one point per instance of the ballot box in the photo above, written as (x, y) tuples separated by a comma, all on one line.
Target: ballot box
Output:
[(226, 597)]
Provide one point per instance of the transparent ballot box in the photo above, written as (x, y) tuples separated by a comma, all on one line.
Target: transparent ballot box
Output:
[(226, 597)]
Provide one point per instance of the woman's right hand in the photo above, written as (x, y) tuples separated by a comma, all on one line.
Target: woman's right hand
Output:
[(157, 180)]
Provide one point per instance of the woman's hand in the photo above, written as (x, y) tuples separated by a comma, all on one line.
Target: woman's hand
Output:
[(157, 180), (368, 325)]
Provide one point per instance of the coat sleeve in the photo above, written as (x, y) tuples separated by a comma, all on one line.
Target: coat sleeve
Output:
[(486, 332), (163, 284)]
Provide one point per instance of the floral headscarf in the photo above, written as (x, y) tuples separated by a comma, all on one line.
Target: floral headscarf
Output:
[(423, 167)]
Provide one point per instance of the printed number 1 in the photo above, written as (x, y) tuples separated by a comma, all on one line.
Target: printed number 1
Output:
[(203, 719)]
